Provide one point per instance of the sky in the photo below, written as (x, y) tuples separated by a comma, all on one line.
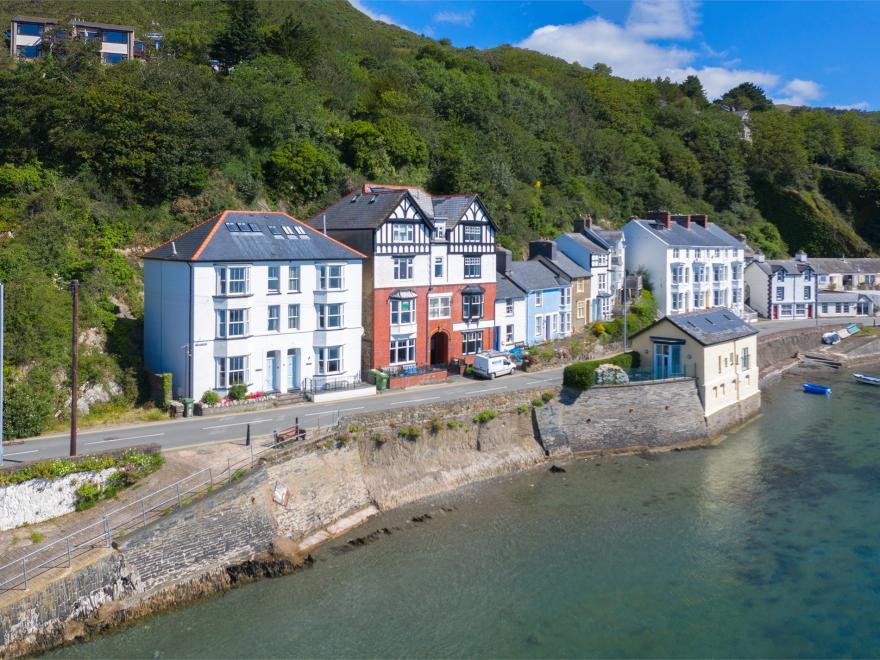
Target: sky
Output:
[(801, 53)]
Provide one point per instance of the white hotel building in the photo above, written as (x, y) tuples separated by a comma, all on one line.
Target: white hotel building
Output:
[(692, 263), (256, 298)]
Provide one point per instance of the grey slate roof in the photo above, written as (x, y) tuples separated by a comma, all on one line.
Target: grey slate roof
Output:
[(213, 241), (839, 296), (566, 266), (853, 265), (790, 266), (609, 235), (535, 276), (586, 243), (504, 288), (696, 236), (708, 327)]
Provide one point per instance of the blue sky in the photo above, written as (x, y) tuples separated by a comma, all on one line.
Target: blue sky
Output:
[(805, 53)]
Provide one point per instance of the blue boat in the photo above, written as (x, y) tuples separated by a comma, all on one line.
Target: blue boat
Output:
[(816, 389)]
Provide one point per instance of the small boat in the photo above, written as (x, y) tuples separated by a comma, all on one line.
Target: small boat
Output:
[(870, 380), (831, 338), (816, 389)]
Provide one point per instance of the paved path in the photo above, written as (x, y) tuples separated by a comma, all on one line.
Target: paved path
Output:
[(177, 433), (769, 327)]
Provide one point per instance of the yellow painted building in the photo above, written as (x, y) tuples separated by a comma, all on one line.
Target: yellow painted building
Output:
[(716, 347)]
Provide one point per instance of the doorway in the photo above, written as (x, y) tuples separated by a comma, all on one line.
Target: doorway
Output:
[(292, 369), (667, 361), (439, 348), (271, 374)]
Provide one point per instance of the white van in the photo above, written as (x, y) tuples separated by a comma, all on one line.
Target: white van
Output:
[(492, 363)]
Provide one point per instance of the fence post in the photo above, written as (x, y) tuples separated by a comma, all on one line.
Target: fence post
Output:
[(107, 531), (210, 478), (252, 457), (24, 570), (228, 471), (177, 487), (68, 552)]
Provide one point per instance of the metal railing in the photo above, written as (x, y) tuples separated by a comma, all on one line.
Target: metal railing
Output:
[(330, 383), (120, 522), (409, 370), (639, 375)]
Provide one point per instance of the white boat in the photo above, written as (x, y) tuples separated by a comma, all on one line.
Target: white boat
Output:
[(870, 380)]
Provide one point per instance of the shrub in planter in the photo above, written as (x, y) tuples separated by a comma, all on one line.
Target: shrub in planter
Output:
[(237, 392), (580, 374), (210, 398)]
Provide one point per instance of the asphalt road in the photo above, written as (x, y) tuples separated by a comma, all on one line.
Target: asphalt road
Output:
[(768, 327), (179, 433)]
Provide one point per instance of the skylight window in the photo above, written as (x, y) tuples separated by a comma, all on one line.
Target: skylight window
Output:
[(275, 230), (243, 226), (255, 227), (299, 230), (287, 230), (231, 226)]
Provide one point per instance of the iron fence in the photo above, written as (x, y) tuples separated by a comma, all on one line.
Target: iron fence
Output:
[(330, 383)]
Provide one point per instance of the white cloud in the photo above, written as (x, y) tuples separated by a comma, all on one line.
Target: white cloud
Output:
[(662, 19), (799, 92), (376, 16), (861, 105), (464, 18)]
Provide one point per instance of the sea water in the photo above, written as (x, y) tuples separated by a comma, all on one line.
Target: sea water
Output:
[(764, 545)]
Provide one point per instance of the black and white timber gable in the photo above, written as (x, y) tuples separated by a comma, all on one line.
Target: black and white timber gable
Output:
[(405, 231), (474, 233)]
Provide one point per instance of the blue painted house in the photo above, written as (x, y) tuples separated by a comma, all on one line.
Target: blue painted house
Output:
[(548, 300)]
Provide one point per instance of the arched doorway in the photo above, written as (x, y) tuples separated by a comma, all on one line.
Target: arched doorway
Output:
[(439, 348)]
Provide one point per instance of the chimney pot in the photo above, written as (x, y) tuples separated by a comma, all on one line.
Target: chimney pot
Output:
[(503, 260), (701, 219), (662, 217), (542, 248), (801, 256), (683, 220)]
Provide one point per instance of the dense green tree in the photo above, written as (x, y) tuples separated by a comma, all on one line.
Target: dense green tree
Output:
[(746, 96), (778, 150), (301, 172), (240, 39)]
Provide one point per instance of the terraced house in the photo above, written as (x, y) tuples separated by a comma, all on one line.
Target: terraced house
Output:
[(429, 276), (253, 298)]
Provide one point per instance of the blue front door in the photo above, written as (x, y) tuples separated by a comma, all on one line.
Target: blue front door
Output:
[(667, 361), (271, 375)]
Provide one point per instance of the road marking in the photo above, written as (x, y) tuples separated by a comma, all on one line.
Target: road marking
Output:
[(350, 409), (223, 426), (134, 437), (492, 389), (401, 403), (323, 412), (17, 453)]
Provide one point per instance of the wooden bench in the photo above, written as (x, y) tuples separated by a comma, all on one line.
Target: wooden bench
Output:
[(289, 434)]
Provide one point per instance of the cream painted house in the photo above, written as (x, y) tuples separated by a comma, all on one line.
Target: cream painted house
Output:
[(715, 347)]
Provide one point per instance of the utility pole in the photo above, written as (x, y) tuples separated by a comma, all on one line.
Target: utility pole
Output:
[(2, 339), (74, 371)]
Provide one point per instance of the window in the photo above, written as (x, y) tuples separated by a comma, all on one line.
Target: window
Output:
[(780, 293), (440, 231), (846, 308), (780, 275), (807, 275), (824, 308), (508, 307), (603, 281), (329, 316), (401, 233), (114, 37), (539, 327), (582, 309), (274, 318), (722, 389), (800, 309), (471, 267), (329, 360), (330, 277), (677, 302), (698, 253), (403, 350), (29, 29), (566, 296), (471, 342), (233, 280), (807, 292), (554, 323), (737, 295), (440, 307), (508, 334), (232, 371), (786, 310), (719, 364), (274, 279), (675, 253), (113, 58), (438, 266), (232, 323), (580, 286), (472, 233), (719, 298), (539, 298), (472, 306), (403, 312), (717, 252), (29, 52), (837, 308), (293, 279), (565, 322), (293, 317), (403, 268)]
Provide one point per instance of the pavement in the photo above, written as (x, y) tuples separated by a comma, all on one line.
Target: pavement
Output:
[(768, 327), (190, 432)]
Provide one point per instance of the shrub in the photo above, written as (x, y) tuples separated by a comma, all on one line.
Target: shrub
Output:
[(580, 374), (410, 432), (36, 537), (453, 424), (547, 396), (435, 425), (166, 390), (378, 438), (238, 474), (237, 392), (522, 409), (485, 416), (537, 403), (211, 398), (87, 495)]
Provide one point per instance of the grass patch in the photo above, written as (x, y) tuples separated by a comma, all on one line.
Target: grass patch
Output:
[(485, 416), (435, 425), (547, 396), (110, 413), (537, 403), (132, 467), (410, 432), (453, 424), (522, 409), (36, 537)]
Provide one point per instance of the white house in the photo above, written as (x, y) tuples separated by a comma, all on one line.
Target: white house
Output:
[(692, 263), (848, 303), (588, 250), (510, 306), (256, 298), (32, 37), (782, 289)]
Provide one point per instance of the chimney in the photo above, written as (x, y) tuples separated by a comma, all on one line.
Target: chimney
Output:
[(542, 248), (683, 220), (661, 217), (759, 257), (702, 220), (173, 249), (503, 260), (583, 223), (801, 256)]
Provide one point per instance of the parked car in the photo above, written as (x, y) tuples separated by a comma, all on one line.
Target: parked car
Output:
[(492, 363)]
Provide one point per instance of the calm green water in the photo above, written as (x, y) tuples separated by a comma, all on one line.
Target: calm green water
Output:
[(766, 545)]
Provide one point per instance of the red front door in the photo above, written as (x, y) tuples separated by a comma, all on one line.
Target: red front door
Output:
[(775, 311)]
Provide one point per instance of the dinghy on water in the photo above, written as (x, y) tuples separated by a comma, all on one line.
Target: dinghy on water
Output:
[(869, 380), (816, 389)]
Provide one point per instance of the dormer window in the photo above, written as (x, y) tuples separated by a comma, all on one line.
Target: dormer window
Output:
[(807, 275), (780, 275), (440, 231)]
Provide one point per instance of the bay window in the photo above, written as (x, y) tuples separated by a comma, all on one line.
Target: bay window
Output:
[(472, 306), (403, 350), (330, 277), (233, 280), (403, 311), (329, 316), (329, 360), (232, 323)]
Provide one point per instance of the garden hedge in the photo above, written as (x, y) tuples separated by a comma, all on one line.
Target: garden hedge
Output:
[(580, 374)]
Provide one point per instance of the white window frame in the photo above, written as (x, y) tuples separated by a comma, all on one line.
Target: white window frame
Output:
[(580, 286), (566, 296), (406, 344), (508, 334), (293, 317), (508, 307), (273, 274), (471, 342), (324, 360), (539, 298), (223, 371), (327, 277), (327, 312), (539, 326), (440, 306), (225, 281), (438, 267), (582, 309), (273, 318), (293, 279), (400, 316), (469, 301), (403, 232), (403, 268), (473, 268), (472, 233)]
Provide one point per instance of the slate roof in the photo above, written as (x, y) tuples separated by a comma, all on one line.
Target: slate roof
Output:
[(568, 267), (609, 235), (504, 288), (790, 266), (370, 206), (213, 241), (535, 276), (586, 243), (840, 296), (696, 236), (709, 326), (853, 265)]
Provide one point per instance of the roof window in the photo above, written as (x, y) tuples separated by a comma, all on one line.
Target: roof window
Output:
[(231, 226)]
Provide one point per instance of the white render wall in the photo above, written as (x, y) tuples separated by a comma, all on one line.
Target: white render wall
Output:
[(518, 320), (423, 269), (757, 281)]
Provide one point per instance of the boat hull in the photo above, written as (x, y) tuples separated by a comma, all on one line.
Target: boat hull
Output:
[(816, 389), (868, 380)]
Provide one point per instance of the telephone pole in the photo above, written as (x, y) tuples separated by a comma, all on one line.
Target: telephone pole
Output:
[(2, 339), (74, 372)]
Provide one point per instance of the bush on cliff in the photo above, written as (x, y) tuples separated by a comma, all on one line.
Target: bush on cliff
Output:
[(580, 374)]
